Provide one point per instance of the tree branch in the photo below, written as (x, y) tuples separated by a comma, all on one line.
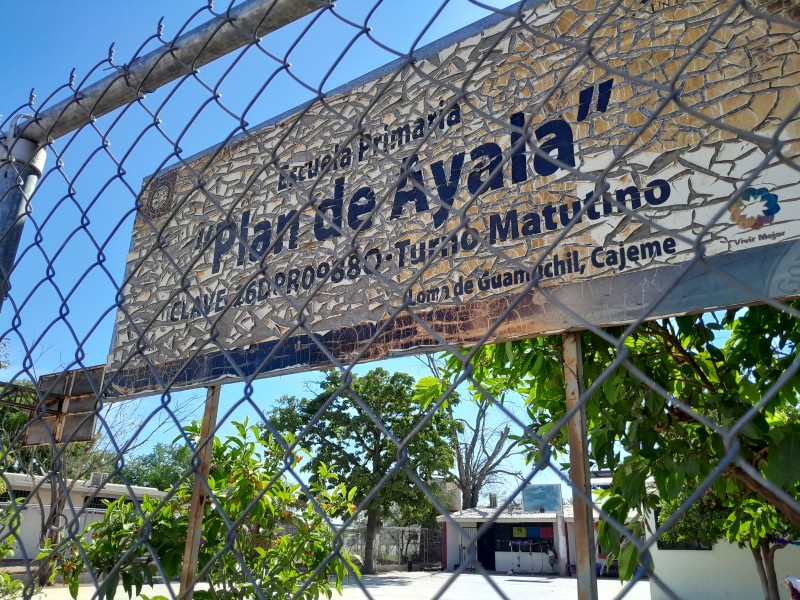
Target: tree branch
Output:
[(789, 512), (683, 353)]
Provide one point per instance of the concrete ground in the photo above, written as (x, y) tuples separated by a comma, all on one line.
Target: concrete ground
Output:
[(420, 586)]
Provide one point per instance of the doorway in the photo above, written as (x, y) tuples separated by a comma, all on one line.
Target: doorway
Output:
[(486, 548)]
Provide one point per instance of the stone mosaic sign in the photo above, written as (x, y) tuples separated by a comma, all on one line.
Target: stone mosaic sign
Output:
[(412, 207)]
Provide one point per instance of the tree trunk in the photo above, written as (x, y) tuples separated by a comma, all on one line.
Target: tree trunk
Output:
[(373, 522), (762, 575), (407, 544), (769, 568), (51, 530), (469, 497)]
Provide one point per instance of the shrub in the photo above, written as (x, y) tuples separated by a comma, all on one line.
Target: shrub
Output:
[(280, 538)]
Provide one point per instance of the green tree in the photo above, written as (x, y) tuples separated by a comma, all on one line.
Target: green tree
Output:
[(709, 373), (339, 432), (161, 468), (424, 513), (282, 539)]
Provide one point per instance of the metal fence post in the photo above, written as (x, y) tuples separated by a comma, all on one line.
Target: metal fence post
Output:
[(21, 164), (579, 468), (196, 508)]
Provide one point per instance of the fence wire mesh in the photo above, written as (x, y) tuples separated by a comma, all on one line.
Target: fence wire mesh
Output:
[(603, 166)]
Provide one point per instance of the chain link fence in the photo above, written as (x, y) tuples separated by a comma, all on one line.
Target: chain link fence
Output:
[(400, 546), (600, 166)]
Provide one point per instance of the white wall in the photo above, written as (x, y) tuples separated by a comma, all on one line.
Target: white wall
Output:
[(726, 572), (27, 535), (561, 545), (455, 541), (529, 562)]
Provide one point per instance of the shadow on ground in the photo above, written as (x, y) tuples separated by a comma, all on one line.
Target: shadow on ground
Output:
[(381, 580)]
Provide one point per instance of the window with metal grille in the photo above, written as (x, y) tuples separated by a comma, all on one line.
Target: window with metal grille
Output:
[(684, 545), (8, 495), (100, 502)]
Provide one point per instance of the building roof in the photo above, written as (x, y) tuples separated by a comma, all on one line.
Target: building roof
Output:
[(509, 515), (22, 481)]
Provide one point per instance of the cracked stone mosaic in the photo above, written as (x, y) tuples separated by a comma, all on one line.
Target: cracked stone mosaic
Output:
[(505, 181)]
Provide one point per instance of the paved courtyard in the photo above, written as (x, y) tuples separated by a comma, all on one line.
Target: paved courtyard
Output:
[(470, 586), (419, 586)]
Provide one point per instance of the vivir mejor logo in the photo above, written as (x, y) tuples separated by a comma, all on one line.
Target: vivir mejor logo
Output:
[(756, 207)]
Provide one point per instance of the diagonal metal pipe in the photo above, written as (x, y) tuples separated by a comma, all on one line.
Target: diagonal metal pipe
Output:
[(22, 149), (219, 36)]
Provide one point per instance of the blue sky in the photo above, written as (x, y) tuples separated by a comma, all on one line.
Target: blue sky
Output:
[(66, 317)]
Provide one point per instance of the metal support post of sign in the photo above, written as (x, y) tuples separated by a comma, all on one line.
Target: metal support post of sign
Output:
[(21, 164), (579, 468), (195, 525)]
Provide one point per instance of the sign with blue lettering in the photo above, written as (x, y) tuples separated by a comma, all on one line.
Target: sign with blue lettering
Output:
[(502, 174)]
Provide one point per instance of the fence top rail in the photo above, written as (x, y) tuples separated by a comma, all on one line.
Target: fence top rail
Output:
[(235, 28)]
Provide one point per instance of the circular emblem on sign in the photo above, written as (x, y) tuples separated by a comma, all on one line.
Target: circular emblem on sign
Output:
[(757, 207), (160, 199)]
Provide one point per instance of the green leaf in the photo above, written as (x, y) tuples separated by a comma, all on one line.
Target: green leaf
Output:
[(110, 586), (691, 466), (675, 483), (74, 584), (654, 402), (545, 429), (633, 486), (715, 353), (757, 428), (611, 390), (537, 365), (127, 582), (627, 561), (685, 324), (783, 467)]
